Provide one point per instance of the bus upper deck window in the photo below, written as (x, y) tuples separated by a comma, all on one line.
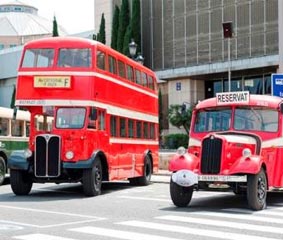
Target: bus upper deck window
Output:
[(74, 57), (100, 60), (36, 58)]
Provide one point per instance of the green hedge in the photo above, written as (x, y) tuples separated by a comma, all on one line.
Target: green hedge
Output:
[(173, 141)]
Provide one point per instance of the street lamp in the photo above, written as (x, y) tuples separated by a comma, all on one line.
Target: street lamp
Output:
[(140, 59), (228, 33), (132, 48)]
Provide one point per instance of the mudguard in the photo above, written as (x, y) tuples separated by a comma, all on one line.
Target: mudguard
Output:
[(187, 161), (18, 160), (251, 164), (82, 164)]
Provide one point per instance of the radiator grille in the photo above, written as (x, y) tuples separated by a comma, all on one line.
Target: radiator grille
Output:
[(47, 156), (211, 155)]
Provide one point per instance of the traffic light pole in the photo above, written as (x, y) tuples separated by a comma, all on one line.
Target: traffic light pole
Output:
[(229, 65)]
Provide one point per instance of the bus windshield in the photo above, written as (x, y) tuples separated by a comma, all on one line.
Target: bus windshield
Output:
[(70, 117), (213, 119), (256, 119), (36, 58)]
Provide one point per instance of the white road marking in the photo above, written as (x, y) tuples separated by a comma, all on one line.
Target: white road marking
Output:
[(218, 223), (119, 234), (51, 212), (193, 231), (245, 217), (38, 236)]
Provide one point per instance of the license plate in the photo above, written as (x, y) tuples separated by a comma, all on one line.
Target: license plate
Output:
[(222, 178)]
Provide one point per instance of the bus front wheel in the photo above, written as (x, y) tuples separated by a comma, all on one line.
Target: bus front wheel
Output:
[(92, 179), (21, 182), (181, 196), (2, 170), (257, 190)]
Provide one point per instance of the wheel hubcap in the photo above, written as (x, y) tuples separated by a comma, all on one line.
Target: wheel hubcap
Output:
[(97, 176), (261, 189)]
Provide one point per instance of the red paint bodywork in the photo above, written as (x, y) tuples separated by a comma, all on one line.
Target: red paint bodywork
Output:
[(269, 155), (125, 157)]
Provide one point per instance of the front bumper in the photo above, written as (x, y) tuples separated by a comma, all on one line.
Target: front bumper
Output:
[(187, 178)]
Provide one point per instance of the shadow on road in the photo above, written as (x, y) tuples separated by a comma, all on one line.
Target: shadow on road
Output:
[(226, 201), (64, 191)]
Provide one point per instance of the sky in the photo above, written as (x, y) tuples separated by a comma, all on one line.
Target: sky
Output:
[(73, 15)]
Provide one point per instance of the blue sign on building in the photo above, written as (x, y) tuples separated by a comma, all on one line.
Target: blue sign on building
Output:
[(178, 86), (277, 85)]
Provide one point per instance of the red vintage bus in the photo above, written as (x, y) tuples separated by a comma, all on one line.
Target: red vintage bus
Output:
[(104, 108), (235, 143)]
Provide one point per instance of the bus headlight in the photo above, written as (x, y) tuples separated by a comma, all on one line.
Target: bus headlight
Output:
[(246, 152), (69, 155), (27, 153), (181, 151)]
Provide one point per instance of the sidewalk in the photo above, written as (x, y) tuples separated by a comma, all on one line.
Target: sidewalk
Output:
[(162, 176)]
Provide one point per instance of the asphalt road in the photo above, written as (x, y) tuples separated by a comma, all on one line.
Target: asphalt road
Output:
[(62, 212)]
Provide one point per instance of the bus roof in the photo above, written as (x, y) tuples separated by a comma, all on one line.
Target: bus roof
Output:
[(78, 42), (254, 100)]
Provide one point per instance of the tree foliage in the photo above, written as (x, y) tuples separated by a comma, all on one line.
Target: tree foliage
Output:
[(115, 26), (180, 117), (101, 37), (136, 24), (124, 18), (127, 39), (55, 28)]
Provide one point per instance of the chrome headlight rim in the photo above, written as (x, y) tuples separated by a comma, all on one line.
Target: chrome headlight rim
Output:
[(181, 151), (246, 152)]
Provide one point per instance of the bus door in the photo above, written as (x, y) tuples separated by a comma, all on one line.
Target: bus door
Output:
[(99, 132)]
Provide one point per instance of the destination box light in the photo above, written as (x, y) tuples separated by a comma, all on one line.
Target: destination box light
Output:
[(232, 97)]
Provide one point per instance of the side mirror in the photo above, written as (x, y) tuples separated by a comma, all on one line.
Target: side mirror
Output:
[(281, 107)]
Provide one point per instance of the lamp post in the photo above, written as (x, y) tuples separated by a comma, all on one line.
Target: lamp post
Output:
[(133, 50), (140, 59), (228, 33)]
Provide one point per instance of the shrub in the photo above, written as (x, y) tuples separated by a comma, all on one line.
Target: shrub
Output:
[(173, 141)]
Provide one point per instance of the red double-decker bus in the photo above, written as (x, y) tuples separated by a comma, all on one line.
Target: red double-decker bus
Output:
[(104, 108)]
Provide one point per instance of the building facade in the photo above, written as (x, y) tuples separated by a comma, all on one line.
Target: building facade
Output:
[(183, 42), (19, 23)]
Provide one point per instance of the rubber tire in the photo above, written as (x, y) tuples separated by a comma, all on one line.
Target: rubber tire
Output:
[(257, 191), (181, 196), (3, 170), (147, 172), (92, 179), (21, 182)]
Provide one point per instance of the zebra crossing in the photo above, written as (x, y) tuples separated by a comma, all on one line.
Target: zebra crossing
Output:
[(228, 224)]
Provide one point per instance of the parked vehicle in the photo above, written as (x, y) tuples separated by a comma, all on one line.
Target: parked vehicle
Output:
[(235, 142)]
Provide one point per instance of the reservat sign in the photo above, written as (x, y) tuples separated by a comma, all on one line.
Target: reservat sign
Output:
[(232, 97), (52, 82)]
